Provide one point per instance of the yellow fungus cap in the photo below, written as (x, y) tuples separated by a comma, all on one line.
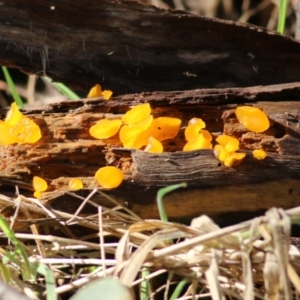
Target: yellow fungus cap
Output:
[(95, 91), (5, 137), (105, 129), (25, 132), (37, 194), (154, 146), (39, 184), (220, 153), (165, 128), (229, 143), (234, 159), (199, 142), (136, 135), (14, 115), (109, 177), (197, 121), (137, 114), (107, 94), (75, 184), (252, 118), (18, 129), (193, 131), (259, 154)]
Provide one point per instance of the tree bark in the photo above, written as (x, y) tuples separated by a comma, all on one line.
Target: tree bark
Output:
[(129, 47)]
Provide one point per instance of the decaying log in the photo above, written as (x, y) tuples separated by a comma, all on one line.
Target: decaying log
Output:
[(129, 47), (67, 150)]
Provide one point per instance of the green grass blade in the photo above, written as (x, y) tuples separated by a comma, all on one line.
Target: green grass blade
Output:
[(161, 193), (50, 281), (64, 89), (27, 271), (282, 16), (5, 275), (178, 289), (145, 285), (12, 88)]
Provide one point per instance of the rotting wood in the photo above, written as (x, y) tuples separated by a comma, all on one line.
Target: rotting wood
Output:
[(67, 150), (130, 47)]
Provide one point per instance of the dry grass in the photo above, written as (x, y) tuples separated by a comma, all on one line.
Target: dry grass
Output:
[(253, 259)]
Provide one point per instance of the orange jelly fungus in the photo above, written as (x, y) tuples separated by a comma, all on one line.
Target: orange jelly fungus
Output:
[(18, 129), (234, 159), (14, 115), (95, 91), (25, 132), (109, 177), (200, 142), (107, 94), (154, 146), (40, 185), (197, 121), (220, 152), (137, 114), (229, 143), (259, 154), (75, 184), (105, 129), (193, 131), (165, 128), (252, 118), (136, 135)]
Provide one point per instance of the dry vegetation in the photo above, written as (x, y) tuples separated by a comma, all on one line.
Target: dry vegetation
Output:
[(253, 259)]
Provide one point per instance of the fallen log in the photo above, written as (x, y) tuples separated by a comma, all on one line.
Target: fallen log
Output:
[(67, 150), (129, 47)]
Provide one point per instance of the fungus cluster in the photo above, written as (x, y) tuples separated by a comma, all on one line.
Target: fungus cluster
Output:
[(96, 91), (138, 129), (18, 129), (196, 137)]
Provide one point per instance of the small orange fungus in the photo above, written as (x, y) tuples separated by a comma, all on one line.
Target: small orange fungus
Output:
[(40, 185), (136, 135), (252, 118), (259, 154), (13, 116), (37, 194), (154, 146), (137, 114), (75, 184), (18, 129), (220, 152), (229, 159), (197, 121), (109, 177), (95, 91), (234, 159), (105, 129), (200, 142), (193, 131), (5, 137), (107, 94), (25, 132), (229, 143), (165, 128)]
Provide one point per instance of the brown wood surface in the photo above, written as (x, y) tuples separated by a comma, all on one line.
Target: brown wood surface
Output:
[(67, 150), (129, 47)]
